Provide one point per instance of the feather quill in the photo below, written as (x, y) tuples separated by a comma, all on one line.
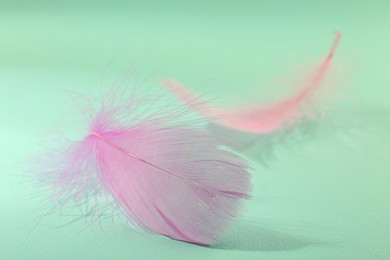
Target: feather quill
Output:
[(163, 172), (257, 119)]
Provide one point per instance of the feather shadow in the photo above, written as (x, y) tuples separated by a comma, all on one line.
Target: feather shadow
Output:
[(264, 148), (249, 237)]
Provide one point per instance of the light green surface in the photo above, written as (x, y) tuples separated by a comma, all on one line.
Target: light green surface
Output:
[(325, 196)]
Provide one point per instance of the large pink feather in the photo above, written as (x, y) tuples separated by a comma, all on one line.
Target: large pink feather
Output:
[(164, 174), (257, 119)]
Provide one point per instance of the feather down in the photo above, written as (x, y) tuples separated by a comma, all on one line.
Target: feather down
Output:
[(164, 174)]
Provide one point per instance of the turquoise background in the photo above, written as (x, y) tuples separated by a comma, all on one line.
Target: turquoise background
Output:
[(324, 192)]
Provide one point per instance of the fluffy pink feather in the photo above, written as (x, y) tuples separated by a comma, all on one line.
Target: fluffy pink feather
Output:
[(164, 174), (257, 119)]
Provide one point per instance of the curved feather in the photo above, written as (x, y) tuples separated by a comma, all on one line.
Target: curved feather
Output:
[(257, 119), (165, 175)]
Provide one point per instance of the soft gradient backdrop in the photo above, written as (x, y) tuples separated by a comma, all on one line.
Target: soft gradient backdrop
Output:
[(323, 194)]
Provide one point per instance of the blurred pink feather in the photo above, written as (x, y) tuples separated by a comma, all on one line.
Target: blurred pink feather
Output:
[(164, 174), (257, 119)]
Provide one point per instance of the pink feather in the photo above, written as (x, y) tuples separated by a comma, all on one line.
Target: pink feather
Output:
[(257, 119), (165, 174)]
